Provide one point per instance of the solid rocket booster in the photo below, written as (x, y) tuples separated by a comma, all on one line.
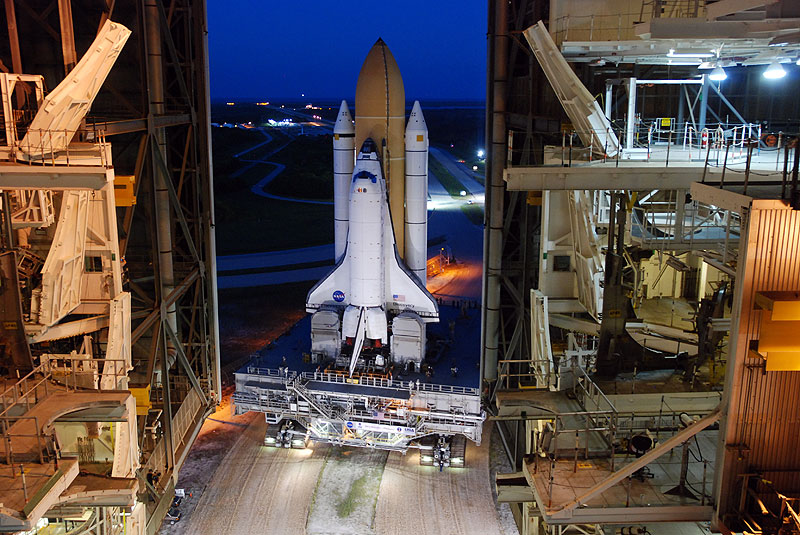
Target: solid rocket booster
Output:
[(417, 194), (381, 115), (343, 161)]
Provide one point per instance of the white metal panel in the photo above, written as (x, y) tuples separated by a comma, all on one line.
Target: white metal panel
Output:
[(589, 120), (61, 274), (60, 116)]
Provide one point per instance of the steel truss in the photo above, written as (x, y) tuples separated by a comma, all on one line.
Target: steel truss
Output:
[(154, 111), (364, 412), (517, 122)]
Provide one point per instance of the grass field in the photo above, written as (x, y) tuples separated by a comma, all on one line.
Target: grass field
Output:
[(453, 185), (247, 222), (474, 213), (308, 173)]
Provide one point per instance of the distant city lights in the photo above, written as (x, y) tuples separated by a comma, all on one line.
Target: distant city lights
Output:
[(231, 103), (262, 103), (282, 122)]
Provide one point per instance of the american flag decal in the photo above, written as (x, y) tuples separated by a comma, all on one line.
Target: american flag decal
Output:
[(398, 297)]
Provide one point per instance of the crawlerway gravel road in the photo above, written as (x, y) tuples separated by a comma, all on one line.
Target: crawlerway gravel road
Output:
[(267, 490), (420, 499), (257, 489)]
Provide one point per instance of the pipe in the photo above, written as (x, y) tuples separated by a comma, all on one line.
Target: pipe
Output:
[(208, 185), (155, 86), (495, 194), (703, 104), (630, 121)]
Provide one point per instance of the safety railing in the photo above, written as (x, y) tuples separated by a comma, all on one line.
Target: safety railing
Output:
[(676, 477), (733, 139), (28, 391), (621, 26), (673, 9), (739, 149), (284, 373), (611, 27), (586, 433), (53, 147), (580, 435), (671, 222), (184, 418), (588, 394), (9, 433), (663, 422), (76, 372), (56, 372), (366, 380)]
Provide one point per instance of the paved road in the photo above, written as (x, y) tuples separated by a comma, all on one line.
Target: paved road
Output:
[(459, 170), (254, 147), (464, 238), (275, 258)]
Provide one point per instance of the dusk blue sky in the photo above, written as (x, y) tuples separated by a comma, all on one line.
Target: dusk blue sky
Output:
[(271, 49)]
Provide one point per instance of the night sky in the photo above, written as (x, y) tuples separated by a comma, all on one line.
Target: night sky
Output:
[(279, 49)]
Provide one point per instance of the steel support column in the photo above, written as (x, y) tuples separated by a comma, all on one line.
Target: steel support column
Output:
[(495, 193)]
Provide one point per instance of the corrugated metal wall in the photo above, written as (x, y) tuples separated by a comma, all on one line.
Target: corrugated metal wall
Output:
[(762, 429)]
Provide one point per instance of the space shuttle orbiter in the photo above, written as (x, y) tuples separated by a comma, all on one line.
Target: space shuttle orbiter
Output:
[(370, 281), (370, 311)]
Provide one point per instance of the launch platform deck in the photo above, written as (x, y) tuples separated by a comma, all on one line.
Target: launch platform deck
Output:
[(462, 352), (378, 411)]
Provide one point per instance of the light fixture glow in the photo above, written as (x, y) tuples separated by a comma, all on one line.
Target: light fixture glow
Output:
[(797, 62), (774, 71), (673, 54), (718, 74)]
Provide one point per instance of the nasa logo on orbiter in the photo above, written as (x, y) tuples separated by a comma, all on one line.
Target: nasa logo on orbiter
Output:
[(338, 296)]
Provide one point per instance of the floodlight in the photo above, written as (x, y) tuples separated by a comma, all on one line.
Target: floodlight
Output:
[(774, 71), (718, 74)]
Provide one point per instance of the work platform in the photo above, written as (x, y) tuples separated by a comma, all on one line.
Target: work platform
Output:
[(655, 172), (635, 499), (36, 474), (583, 441), (379, 411)]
